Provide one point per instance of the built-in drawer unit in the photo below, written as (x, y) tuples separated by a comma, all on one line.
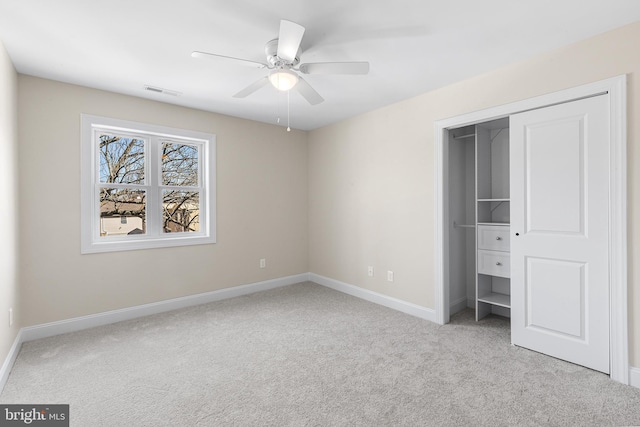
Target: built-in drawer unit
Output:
[(493, 237), (494, 263)]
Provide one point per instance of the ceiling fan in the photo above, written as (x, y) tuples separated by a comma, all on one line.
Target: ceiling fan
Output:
[(283, 57)]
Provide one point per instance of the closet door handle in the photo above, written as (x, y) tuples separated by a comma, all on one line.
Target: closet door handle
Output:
[(498, 263), (498, 238)]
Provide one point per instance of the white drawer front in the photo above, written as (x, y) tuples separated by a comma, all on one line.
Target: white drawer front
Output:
[(494, 263), (493, 237)]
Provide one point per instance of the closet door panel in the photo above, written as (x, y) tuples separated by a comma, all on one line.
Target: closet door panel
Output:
[(559, 224), (555, 192), (552, 309)]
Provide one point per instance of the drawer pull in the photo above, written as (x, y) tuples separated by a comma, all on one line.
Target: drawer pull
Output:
[(498, 238), (498, 263)]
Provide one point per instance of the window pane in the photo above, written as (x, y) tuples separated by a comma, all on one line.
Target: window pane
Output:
[(179, 164), (121, 159), (180, 211), (122, 211)]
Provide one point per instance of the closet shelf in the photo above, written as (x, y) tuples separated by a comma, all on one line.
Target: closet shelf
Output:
[(494, 298), (493, 200), (456, 225), (505, 224)]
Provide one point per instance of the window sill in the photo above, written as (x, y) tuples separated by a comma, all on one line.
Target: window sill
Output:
[(150, 243)]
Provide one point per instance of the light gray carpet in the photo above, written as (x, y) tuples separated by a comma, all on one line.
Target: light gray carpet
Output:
[(305, 355)]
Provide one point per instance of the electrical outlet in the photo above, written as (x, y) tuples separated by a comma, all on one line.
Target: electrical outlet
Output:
[(389, 276), (263, 263), (370, 271), (10, 316)]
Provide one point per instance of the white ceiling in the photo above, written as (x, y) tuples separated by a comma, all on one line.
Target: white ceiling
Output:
[(413, 46)]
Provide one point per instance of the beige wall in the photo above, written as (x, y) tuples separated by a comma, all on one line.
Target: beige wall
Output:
[(9, 291), (371, 178), (261, 207)]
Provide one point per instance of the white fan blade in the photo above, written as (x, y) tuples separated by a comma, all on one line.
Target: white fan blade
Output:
[(289, 40), (335, 68), (213, 56), (252, 88), (308, 92)]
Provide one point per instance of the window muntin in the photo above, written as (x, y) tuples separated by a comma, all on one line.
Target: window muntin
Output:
[(145, 186)]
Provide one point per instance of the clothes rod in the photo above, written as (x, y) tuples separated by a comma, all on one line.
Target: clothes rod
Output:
[(469, 135)]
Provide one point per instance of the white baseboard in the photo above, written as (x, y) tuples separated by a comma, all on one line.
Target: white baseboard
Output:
[(85, 322), (71, 325), (10, 359), (46, 330), (387, 301), (634, 377)]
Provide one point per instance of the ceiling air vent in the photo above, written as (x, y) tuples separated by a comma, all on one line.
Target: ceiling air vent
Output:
[(163, 91)]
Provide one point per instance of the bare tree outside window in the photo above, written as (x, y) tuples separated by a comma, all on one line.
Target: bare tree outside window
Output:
[(180, 169), (122, 161), (180, 211), (179, 164)]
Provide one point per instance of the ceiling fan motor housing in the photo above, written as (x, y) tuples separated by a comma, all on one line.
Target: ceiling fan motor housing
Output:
[(271, 50)]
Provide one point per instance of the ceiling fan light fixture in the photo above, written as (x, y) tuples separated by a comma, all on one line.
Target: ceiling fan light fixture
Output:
[(283, 80)]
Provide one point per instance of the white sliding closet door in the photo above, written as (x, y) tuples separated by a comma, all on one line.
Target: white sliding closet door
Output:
[(559, 172)]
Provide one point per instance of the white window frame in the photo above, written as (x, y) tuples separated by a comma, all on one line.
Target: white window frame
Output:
[(154, 136)]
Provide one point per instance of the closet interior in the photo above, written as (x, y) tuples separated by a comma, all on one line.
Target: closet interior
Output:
[(479, 216)]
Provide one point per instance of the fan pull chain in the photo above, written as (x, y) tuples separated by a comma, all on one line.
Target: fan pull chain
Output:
[(288, 127), (278, 108)]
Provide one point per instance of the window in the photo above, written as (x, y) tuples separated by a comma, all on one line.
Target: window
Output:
[(145, 186)]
